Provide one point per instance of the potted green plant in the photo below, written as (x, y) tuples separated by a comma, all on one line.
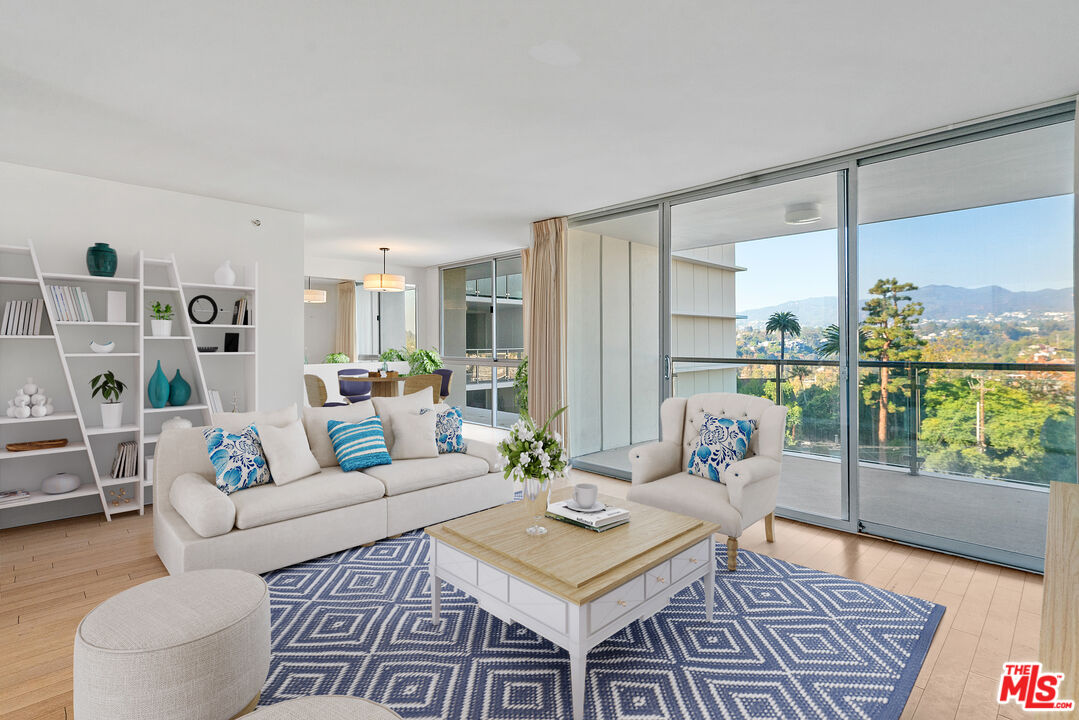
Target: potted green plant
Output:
[(423, 362), (392, 355), (160, 319), (336, 358), (110, 389)]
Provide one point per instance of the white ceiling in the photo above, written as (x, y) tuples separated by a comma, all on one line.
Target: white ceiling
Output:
[(429, 126)]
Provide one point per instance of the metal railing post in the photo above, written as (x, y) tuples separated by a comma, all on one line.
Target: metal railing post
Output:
[(779, 383), (912, 420)]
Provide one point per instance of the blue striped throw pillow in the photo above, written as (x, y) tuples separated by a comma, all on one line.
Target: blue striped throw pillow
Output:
[(358, 445)]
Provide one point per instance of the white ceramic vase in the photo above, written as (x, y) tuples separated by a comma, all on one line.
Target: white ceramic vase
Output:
[(225, 275), (112, 415), (161, 328)]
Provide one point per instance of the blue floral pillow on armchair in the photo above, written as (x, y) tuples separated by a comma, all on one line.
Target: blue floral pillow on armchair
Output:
[(722, 442), (448, 436), (237, 459)]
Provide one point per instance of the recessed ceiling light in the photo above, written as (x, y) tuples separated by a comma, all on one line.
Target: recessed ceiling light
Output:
[(555, 52), (802, 213)]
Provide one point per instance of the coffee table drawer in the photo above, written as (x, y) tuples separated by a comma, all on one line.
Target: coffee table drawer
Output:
[(454, 561), (493, 581), (657, 579), (689, 560), (535, 603), (616, 603)]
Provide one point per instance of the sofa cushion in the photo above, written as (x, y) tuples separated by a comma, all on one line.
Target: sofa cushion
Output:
[(387, 406), (407, 475), (236, 422), (238, 459), (690, 495), (330, 489), (414, 435), (206, 509), (318, 436), (360, 444), (287, 452), (721, 443)]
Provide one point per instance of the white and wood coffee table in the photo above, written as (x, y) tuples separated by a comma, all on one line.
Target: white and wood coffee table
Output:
[(573, 586)]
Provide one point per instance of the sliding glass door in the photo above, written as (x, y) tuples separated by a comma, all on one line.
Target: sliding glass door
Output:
[(756, 309), (613, 339), (966, 381)]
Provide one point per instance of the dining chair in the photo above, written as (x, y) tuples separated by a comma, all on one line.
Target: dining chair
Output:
[(415, 383), (445, 374), (351, 386)]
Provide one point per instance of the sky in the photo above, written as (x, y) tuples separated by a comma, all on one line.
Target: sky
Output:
[(1020, 246)]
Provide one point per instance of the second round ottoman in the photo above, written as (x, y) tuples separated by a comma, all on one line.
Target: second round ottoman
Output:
[(194, 646)]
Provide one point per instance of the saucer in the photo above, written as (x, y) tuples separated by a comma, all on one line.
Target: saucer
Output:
[(572, 505)]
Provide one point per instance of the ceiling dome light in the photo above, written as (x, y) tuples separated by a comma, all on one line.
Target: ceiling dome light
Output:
[(383, 282), (555, 52), (802, 213)]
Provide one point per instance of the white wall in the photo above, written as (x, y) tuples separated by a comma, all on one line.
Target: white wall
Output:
[(63, 214)]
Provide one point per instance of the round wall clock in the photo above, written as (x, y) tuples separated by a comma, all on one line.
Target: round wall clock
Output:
[(202, 309)]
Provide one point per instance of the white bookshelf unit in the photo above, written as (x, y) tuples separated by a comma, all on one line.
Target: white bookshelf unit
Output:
[(60, 360)]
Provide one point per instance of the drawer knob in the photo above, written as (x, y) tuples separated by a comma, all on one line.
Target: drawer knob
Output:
[(693, 560), (660, 579), (622, 603)]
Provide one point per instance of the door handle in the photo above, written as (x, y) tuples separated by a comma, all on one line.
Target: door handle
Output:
[(666, 367)]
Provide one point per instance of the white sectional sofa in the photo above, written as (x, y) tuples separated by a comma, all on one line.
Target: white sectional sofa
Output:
[(262, 528)]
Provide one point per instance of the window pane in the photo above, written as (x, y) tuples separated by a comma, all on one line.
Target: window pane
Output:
[(466, 311), (965, 381), (509, 319)]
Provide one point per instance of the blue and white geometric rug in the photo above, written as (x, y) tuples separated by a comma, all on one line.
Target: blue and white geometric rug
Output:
[(787, 642)]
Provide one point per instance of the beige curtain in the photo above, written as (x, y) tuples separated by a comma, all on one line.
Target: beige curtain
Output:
[(543, 266), (346, 319)]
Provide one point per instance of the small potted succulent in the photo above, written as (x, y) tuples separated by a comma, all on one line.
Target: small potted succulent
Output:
[(110, 389), (160, 319)]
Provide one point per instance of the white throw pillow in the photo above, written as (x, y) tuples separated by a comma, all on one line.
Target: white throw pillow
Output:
[(318, 434), (387, 406), (206, 509), (287, 452), (235, 423), (414, 435)]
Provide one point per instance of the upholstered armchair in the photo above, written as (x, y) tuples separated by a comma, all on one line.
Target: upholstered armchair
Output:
[(747, 491)]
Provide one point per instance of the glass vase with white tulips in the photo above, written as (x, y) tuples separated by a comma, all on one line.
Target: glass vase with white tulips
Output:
[(535, 458)]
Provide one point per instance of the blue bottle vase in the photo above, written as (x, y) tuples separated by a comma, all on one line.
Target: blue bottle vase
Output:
[(158, 388), (179, 390)]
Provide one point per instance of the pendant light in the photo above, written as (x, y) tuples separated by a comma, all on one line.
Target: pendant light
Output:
[(313, 296), (382, 282)]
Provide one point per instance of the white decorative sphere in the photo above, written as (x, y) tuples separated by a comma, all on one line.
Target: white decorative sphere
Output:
[(22, 411), (175, 423), (38, 411), (60, 483), (37, 398), (30, 387)]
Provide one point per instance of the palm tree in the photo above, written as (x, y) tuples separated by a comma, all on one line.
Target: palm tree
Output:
[(800, 373), (829, 345), (784, 323)]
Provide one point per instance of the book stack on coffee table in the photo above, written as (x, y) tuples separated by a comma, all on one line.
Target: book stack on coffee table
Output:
[(605, 519)]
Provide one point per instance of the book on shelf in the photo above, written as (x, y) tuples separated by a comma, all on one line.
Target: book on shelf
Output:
[(22, 317), (126, 462), (606, 518), (72, 304), (7, 496), (214, 401), (241, 314)]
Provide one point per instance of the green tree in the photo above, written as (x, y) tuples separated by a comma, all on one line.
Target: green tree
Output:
[(889, 326), (785, 323)]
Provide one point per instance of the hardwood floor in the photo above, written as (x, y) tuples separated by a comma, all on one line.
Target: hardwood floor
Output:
[(52, 574)]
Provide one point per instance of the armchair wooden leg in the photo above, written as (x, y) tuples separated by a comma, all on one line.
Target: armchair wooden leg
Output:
[(769, 527), (732, 553)]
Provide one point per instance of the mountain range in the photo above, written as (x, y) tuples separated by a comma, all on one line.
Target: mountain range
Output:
[(942, 302)]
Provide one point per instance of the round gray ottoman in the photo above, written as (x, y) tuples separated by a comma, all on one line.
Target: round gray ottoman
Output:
[(194, 646), (326, 707)]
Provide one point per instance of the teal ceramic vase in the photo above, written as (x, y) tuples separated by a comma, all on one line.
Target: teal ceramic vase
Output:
[(158, 388), (179, 390), (101, 260)]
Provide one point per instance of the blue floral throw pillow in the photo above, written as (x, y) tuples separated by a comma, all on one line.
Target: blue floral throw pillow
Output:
[(237, 459), (448, 426), (722, 442), (360, 444)]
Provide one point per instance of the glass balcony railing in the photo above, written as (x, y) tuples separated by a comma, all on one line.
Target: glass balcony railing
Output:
[(1010, 422)]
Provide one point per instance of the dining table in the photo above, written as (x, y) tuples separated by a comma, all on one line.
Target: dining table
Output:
[(380, 386)]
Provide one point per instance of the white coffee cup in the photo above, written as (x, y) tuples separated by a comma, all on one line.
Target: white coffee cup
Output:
[(584, 494)]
